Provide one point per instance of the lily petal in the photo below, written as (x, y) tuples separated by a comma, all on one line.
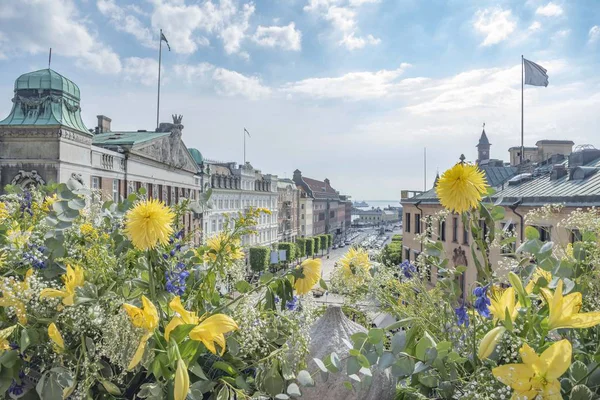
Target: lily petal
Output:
[(517, 376), (139, 353), (557, 359), (585, 320), (173, 323)]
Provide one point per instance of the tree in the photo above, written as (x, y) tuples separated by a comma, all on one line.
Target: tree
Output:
[(391, 255), (259, 258), (310, 245), (290, 250), (300, 247), (316, 244)]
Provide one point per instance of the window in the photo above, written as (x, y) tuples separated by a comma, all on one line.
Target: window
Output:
[(544, 231), (95, 182), (321, 216), (302, 216), (407, 254), (213, 225), (115, 190), (455, 229), (443, 231), (508, 231), (465, 235), (576, 236), (302, 207), (331, 214), (407, 220), (417, 223), (484, 228)]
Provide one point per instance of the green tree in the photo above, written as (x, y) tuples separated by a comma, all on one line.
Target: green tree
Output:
[(316, 244), (259, 258), (290, 250), (310, 245), (300, 247)]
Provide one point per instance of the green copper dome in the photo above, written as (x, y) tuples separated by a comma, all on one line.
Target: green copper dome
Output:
[(46, 98), (196, 155)]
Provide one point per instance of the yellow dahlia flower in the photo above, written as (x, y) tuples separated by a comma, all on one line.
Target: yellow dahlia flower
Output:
[(145, 318), (537, 377), (460, 188), (208, 331), (222, 243), (149, 223), (73, 279), (311, 273), (354, 260)]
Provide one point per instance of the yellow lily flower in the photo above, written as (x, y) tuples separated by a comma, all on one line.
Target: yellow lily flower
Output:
[(182, 381), (73, 279), (4, 335), (3, 258), (145, 318), (538, 375), (9, 289), (502, 300), (208, 331), (537, 274), (564, 310), (56, 337), (489, 342)]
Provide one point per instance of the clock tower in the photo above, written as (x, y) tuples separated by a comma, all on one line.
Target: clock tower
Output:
[(483, 147)]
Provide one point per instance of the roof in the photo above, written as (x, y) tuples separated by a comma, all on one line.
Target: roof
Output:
[(320, 189), (519, 148), (495, 177), (196, 155), (542, 190), (483, 140), (46, 98), (546, 141), (126, 138), (285, 183)]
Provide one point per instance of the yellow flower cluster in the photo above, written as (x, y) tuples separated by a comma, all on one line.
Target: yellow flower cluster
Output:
[(3, 211), (461, 187), (227, 247), (148, 223)]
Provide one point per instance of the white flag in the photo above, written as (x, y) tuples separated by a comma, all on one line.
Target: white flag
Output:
[(535, 74)]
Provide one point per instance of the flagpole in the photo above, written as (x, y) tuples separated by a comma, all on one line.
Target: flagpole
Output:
[(244, 134), (522, 130), (159, 61)]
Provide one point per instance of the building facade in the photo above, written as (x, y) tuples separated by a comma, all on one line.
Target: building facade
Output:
[(571, 182), (288, 198), (44, 140), (235, 188), (306, 214), (543, 150)]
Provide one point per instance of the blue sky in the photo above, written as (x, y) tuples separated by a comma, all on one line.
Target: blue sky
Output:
[(351, 90)]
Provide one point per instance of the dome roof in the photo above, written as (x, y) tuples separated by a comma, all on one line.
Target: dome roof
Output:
[(46, 79), (196, 155)]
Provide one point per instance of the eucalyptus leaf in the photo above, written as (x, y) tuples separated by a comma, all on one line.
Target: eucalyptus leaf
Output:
[(305, 378)]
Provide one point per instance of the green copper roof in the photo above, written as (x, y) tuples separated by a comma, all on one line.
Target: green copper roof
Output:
[(46, 98), (196, 155), (126, 138)]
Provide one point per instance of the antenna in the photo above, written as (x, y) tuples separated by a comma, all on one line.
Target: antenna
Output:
[(425, 169), (50, 58)]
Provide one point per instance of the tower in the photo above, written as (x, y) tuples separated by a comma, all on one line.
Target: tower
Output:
[(483, 147)]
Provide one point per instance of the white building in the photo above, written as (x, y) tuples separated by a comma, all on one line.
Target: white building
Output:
[(306, 215), (236, 188)]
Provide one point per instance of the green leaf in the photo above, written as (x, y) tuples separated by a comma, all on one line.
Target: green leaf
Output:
[(581, 392), (423, 344), (403, 367), (223, 393), (243, 287), (578, 371), (223, 366), (429, 381), (375, 335), (348, 385), (352, 365), (358, 339), (305, 378), (25, 341), (323, 284), (77, 203), (332, 362), (282, 396), (531, 233), (398, 342), (293, 390), (399, 324), (273, 382), (320, 364), (363, 361), (265, 277), (386, 360), (110, 387)]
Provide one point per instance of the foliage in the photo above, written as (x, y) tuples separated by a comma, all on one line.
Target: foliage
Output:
[(323, 241), (391, 254), (300, 247), (316, 244), (310, 246), (85, 313), (329, 240), (290, 250), (396, 238), (259, 258)]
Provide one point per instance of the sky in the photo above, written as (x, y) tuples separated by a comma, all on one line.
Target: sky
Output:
[(350, 90)]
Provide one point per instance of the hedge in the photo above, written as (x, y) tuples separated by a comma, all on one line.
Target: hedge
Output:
[(259, 258), (310, 245), (290, 250), (396, 238), (329, 240), (300, 247), (391, 255), (323, 239), (316, 244)]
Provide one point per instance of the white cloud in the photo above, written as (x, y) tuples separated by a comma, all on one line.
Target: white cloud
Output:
[(128, 23), (495, 24), (31, 27), (183, 23), (342, 15), (352, 42), (286, 37), (550, 10), (225, 82), (561, 34), (351, 86), (594, 34), (534, 27), (142, 70)]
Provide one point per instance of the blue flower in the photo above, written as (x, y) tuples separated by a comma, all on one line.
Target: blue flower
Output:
[(178, 246), (291, 305), (16, 389), (277, 299), (179, 234), (482, 302), (408, 269), (172, 253), (165, 256), (462, 316), (34, 260), (176, 279)]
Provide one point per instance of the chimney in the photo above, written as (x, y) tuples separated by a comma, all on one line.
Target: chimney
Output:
[(327, 182), (583, 157), (558, 171), (103, 123)]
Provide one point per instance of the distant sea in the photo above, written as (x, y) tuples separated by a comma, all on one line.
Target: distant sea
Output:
[(379, 203)]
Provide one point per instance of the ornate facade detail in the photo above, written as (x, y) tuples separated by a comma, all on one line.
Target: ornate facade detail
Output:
[(155, 191), (107, 161), (459, 257), (25, 179)]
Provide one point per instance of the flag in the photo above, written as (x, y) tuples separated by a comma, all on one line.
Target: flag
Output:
[(247, 132), (535, 74), (164, 39)]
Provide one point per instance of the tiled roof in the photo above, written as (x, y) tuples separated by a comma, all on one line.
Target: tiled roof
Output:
[(542, 190), (126, 138), (320, 189)]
